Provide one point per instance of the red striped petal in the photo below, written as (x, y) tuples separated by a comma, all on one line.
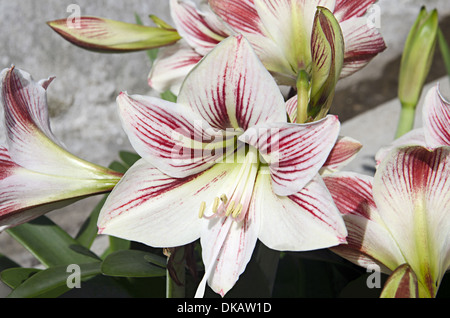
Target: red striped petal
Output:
[(346, 9), (230, 88), (295, 153), (436, 119)]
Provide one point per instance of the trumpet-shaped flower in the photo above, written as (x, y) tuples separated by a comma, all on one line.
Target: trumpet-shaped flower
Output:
[(224, 165), (400, 216), (37, 174), (282, 31)]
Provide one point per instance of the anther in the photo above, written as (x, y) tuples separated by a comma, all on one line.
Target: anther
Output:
[(237, 210), (229, 208), (216, 204), (224, 198), (202, 209)]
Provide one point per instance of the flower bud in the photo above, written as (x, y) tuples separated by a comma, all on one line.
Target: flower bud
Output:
[(110, 36), (417, 57)]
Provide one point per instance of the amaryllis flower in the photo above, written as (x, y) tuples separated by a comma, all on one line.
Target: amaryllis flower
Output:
[(281, 31), (435, 130), (37, 174), (400, 216), (306, 44), (224, 165)]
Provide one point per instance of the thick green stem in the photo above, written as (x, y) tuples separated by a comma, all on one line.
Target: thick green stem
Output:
[(303, 88), (173, 290), (406, 120)]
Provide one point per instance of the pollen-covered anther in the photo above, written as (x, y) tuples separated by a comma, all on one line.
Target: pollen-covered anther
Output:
[(237, 211), (215, 205), (201, 212), (230, 208)]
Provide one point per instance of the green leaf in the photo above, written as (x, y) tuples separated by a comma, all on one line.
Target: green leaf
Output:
[(169, 96), (88, 231), (128, 158), (52, 282), (50, 244), (13, 277), (133, 263), (117, 166), (445, 50)]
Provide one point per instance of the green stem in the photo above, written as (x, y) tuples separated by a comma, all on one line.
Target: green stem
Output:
[(173, 290), (302, 97), (406, 120)]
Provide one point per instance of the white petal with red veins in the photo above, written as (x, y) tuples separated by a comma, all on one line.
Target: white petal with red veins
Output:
[(232, 89)]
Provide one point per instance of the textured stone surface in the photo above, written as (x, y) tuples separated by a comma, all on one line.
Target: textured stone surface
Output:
[(82, 98)]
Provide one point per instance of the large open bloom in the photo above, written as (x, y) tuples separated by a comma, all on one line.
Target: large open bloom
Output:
[(224, 165), (37, 174), (400, 216)]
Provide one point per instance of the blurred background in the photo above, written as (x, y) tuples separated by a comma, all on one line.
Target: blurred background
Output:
[(82, 97)]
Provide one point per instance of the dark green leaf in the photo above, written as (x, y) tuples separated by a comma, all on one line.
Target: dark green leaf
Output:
[(128, 158), (13, 277), (50, 244), (88, 231), (132, 263), (53, 281), (117, 166)]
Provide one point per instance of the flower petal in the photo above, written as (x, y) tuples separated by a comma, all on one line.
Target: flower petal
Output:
[(304, 221), (414, 137), (171, 67), (202, 30), (295, 152), (31, 143), (346, 9), (369, 241), (231, 253), (105, 35), (362, 43), (26, 194), (343, 152), (150, 207), (412, 192), (402, 283), (436, 119), (241, 15), (236, 89), (170, 136)]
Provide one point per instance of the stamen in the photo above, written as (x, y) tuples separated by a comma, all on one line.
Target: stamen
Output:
[(216, 204), (224, 198), (237, 211), (229, 208), (202, 209)]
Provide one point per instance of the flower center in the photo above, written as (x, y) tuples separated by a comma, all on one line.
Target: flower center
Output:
[(235, 201)]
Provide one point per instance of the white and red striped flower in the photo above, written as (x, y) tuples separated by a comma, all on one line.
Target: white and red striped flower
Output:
[(224, 165), (37, 174), (282, 31), (435, 130), (400, 216)]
